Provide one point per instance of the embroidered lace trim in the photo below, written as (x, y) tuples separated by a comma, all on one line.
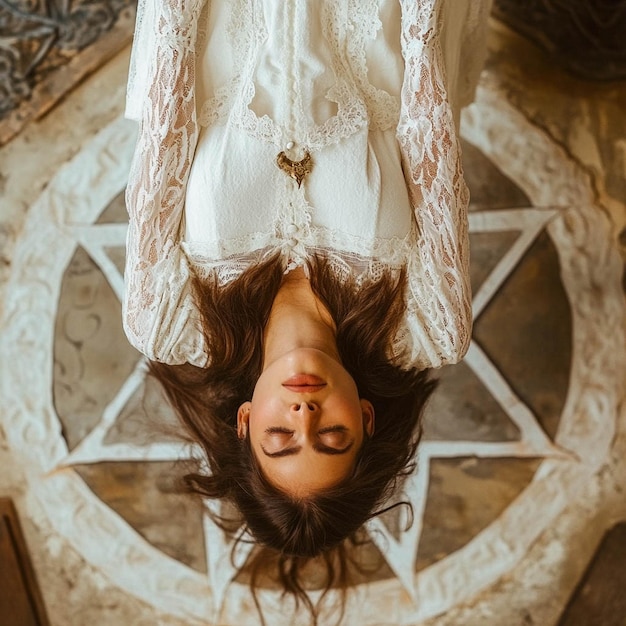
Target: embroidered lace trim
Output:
[(358, 102)]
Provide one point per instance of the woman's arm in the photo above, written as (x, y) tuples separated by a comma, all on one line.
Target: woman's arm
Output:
[(160, 318), (439, 299)]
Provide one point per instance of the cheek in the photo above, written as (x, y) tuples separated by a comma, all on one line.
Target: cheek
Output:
[(349, 409), (257, 425), (264, 413)]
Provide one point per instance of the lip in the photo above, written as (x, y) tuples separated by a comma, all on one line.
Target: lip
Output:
[(304, 388), (304, 383)]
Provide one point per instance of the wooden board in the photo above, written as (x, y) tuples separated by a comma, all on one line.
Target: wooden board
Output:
[(21, 603), (600, 598)]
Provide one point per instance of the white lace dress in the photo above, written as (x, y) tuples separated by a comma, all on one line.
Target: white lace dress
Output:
[(367, 92)]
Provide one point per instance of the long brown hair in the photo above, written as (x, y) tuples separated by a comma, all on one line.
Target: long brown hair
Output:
[(293, 531)]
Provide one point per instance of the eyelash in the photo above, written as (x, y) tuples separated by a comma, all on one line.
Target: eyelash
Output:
[(332, 429), (285, 431), (277, 429)]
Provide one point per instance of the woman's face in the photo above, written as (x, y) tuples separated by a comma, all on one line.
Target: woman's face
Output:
[(306, 422)]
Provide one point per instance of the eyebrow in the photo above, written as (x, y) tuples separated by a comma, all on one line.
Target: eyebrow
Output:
[(318, 447)]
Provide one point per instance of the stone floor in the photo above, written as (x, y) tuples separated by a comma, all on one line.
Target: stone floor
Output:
[(522, 467)]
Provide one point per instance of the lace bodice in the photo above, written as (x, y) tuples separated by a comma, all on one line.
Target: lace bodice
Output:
[(364, 88)]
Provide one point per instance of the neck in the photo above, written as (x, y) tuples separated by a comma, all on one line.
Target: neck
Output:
[(298, 320)]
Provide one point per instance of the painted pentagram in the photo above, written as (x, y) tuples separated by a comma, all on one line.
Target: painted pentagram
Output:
[(72, 290)]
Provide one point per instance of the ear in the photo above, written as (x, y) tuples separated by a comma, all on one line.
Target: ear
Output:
[(243, 417), (367, 410)]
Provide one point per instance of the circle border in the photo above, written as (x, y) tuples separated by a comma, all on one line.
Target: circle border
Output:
[(79, 192)]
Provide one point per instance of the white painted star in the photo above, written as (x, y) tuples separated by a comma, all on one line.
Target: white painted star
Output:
[(401, 553)]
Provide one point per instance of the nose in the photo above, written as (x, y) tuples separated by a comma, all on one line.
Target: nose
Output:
[(304, 416), (303, 408)]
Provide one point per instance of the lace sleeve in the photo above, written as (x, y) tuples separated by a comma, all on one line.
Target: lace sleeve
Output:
[(143, 43), (438, 299), (160, 318)]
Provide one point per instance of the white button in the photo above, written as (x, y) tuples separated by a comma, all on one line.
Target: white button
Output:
[(292, 242), (290, 145), (292, 229)]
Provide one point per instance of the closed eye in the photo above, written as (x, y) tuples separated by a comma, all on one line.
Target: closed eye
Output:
[(280, 434), (319, 447), (323, 449), (333, 440)]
